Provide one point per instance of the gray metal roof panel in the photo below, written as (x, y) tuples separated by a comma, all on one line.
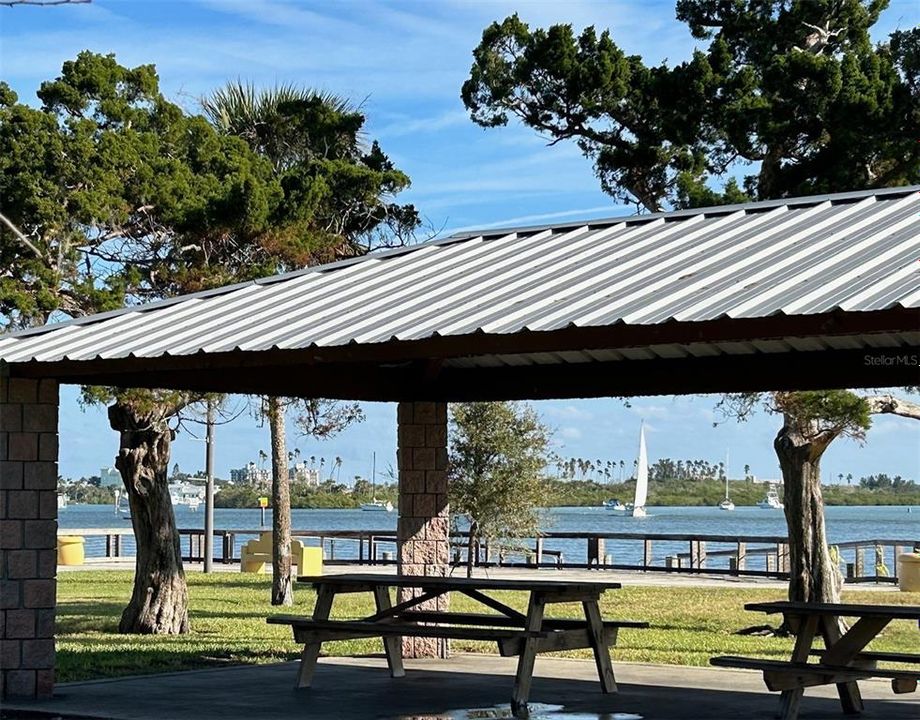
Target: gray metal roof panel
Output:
[(855, 251)]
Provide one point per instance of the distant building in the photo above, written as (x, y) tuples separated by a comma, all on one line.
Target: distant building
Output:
[(766, 481), (300, 473), (109, 477), (251, 475)]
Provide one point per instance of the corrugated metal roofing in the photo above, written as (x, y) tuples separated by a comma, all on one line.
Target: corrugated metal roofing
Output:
[(853, 252)]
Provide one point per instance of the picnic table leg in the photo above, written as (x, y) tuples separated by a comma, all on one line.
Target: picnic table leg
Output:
[(791, 699), (392, 645), (601, 652), (850, 697), (533, 623), (310, 652)]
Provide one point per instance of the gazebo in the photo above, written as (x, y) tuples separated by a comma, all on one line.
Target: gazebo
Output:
[(805, 293)]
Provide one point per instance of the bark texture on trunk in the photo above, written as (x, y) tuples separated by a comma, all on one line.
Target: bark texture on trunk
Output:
[(282, 589), (814, 577), (159, 600)]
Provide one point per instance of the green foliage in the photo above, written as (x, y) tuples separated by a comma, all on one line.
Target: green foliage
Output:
[(792, 88), (498, 451), (339, 189), (116, 190), (825, 411)]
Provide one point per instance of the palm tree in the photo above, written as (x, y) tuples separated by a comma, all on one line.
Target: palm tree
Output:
[(297, 129), (337, 469), (258, 116)]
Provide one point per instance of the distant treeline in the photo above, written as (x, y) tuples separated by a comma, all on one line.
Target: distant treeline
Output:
[(664, 469), (710, 492), (872, 490), (325, 495)]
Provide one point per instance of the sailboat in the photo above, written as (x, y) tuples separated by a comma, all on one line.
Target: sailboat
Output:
[(637, 507), (726, 504), (375, 504)]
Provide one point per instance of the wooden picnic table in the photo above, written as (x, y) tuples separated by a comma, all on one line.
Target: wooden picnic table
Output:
[(844, 659), (522, 634)]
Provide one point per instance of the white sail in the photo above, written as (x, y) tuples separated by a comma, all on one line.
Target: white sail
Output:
[(641, 472)]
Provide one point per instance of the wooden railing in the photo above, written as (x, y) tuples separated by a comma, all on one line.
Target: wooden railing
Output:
[(873, 560)]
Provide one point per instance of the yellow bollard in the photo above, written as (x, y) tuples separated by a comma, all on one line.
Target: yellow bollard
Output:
[(70, 550)]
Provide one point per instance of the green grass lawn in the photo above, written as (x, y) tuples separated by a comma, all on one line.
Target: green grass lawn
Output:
[(228, 611)]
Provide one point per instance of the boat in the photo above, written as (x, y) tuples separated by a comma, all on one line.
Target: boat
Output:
[(726, 504), (379, 505), (637, 507), (613, 504), (376, 505), (186, 494), (62, 501), (771, 501)]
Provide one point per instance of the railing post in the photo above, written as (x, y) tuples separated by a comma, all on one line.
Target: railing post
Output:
[(782, 558), (647, 553), (539, 551), (595, 550), (860, 561), (741, 557)]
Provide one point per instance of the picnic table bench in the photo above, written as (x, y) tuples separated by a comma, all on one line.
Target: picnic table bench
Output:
[(517, 634), (844, 659)]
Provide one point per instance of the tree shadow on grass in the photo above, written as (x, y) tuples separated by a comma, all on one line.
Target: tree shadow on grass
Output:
[(100, 662)]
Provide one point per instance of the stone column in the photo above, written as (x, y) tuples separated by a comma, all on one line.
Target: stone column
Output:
[(423, 527), (28, 535)]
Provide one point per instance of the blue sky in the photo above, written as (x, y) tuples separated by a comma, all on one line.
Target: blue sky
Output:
[(405, 62)]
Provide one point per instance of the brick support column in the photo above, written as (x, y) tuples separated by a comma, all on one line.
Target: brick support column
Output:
[(423, 528), (28, 535)]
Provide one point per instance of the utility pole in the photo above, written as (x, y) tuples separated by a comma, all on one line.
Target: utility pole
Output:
[(209, 494)]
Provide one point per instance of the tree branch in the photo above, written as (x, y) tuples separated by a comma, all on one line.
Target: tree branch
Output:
[(16, 231), (879, 404)]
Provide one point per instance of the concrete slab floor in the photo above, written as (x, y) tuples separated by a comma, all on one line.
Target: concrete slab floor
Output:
[(455, 689)]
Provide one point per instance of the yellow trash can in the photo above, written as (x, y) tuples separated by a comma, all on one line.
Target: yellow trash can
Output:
[(70, 550), (909, 572), (311, 561)]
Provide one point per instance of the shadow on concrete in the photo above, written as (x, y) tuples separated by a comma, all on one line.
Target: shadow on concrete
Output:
[(467, 687)]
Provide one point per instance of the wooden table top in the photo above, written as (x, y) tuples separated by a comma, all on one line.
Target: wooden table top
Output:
[(454, 583), (896, 612)]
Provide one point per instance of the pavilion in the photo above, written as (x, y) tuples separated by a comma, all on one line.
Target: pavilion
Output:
[(805, 293)]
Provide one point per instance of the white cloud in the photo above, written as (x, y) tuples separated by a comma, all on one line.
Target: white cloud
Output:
[(570, 433), (409, 126)]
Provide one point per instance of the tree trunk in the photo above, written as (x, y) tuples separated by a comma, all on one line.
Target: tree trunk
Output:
[(159, 600), (282, 590), (814, 577)]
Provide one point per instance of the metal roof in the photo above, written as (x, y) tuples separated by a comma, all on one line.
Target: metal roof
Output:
[(850, 253)]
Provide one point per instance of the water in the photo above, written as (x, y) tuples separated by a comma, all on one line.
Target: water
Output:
[(843, 524)]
